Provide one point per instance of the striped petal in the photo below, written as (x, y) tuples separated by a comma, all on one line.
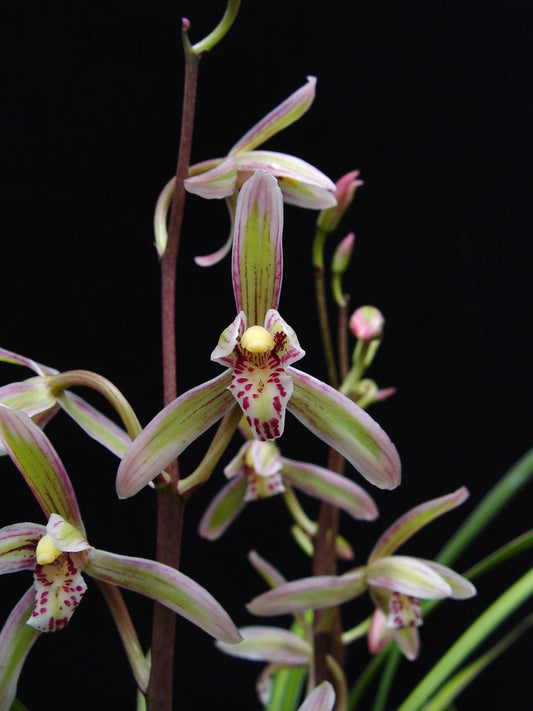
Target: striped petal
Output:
[(269, 644), (224, 509), (39, 464), (171, 431), (17, 546), (311, 197), (279, 118), (33, 396), (320, 699), (462, 588), (219, 182), (284, 165), (408, 576), (257, 261), (10, 357), (343, 425), (168, 586)]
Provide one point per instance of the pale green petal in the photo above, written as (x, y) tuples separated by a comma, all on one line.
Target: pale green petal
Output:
[(408, 576), (168, 586), (17, 546), (462, 588), (171, 431), (33, 396), (322, 698), (224, 509), (16, 640), (283, 165), (269, 644), (64, 536), (219, 182), (310, 197), (415, 519), (343, 425)]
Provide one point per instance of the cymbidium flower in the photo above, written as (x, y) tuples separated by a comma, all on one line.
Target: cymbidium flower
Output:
[(258, 349), (395, 583), (259, 471), (58, 554)]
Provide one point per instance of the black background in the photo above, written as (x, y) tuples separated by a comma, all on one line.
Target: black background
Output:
[(431, 101)]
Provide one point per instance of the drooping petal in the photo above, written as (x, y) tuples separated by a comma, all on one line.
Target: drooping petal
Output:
[(17, 546), (224, 509), (408, 640), (415, 519), (39, 464), (322, 698), (279, 118), (284, 165), (64, 536), (168, 586), (257, 261), (311, 197), (331, 487), (59, 588), (33, 396), (379, 634), (266, 570), (343, 425), (95, 424), (408, 576), (462, 588), (171, 431), (269, 644), (16, 640), (219, 182), (309, 594), (10, 357)]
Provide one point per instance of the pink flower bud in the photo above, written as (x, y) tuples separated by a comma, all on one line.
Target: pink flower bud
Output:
[(344, 192), (342, 255), (367, 323)]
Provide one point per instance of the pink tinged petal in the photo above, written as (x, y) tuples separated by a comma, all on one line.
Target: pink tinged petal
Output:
[(415, 519), (219, 182), (404, 611), (408, 576), (10, 357), (95, 424), (309, 594), (311, 197), (343, 425), (17, 546), (257, 261), (283, 165), (263, 457), (279, 118), (33, 396), (169, 587), (64, 536), (16, 640), (270, 575), (224, 352), (269, 644), (286, 345), (224, 509), (215, 257), (59, 588), (331, 487), (379, 634), (39, 464), (320, 699), (462, 589), (171, 431), (408, 640)]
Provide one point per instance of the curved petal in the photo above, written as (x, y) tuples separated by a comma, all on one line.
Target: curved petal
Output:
[(286, 345), (309, 594), (10, 357), (408, 640), (39, 464), (320, 699), (331, 487), (224, 509), (168, 586), (33, 396), (219, 182), (17, 546), (210, 259), (284, 165), (310, 197), (224, 351), (279, 118), (269, 644), (16, 640), (64, 536), (408, 576), (171, 431), (270, 575), (343, 425), (257, 261), (415, 519), (462, 588)]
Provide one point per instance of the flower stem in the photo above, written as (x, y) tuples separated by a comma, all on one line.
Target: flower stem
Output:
[(320, 292)]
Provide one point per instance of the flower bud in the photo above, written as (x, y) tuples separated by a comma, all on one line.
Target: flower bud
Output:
[(342, 255), (366, 323), (344, 192)]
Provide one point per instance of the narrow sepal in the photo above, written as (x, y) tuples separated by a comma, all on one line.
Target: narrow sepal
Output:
[(279, 118), (309, 594), (16, 640), (59, 588), (219, 182), (39, 464), (408, 576), (168, 586), (311, 197), (257, 260), (284, 165), (224, 509), (171, 431), (10, 357), (269, 644), (266, 570), (33, 396), (322, 698), (331, 487), (343, 425), (415, 519), (462, 589), (17, 546)]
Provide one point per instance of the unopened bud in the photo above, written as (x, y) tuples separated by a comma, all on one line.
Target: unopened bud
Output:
[(344, 192), (367, 323), (342, 255)]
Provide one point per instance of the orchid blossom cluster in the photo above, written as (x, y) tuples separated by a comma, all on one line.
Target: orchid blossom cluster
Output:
[(250, 398)]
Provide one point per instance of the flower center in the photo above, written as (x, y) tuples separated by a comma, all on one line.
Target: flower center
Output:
[(257, 339), (46, 551)]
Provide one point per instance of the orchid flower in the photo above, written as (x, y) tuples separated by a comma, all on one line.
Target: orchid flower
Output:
[(396, 583), (258, 349), (259, 471), (35, 396), (301, 184), (59, 553)]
